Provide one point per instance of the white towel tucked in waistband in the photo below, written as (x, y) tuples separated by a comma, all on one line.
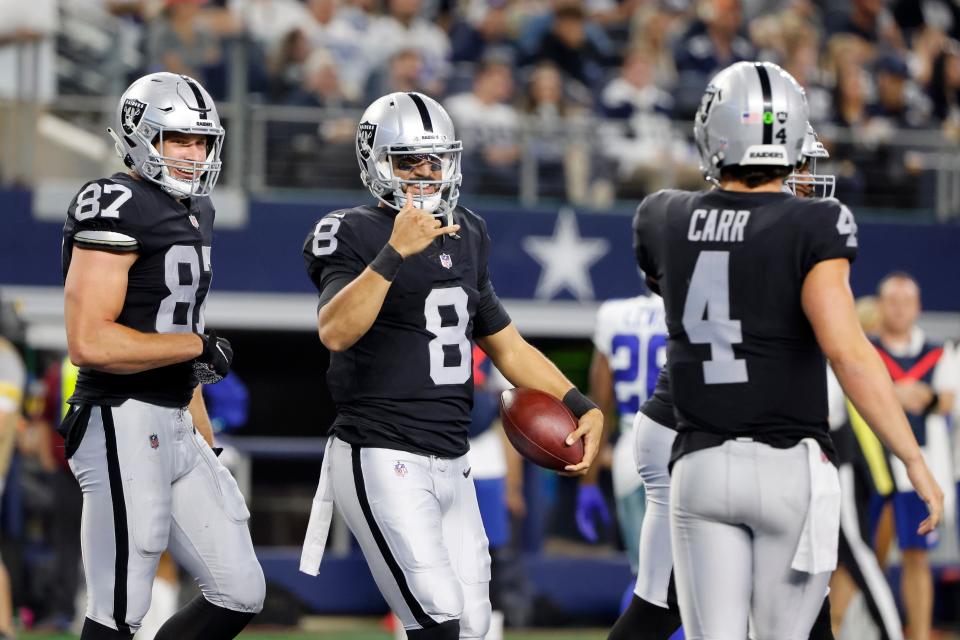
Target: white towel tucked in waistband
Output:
[(321, 513), (817, 549)]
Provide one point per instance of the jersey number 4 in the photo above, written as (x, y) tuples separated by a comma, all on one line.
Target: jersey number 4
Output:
[(706, 318)]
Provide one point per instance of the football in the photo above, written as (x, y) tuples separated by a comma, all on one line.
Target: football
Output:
[(537, 424)]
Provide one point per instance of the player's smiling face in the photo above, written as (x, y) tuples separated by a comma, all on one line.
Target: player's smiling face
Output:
[(183, 146), (419, 166)]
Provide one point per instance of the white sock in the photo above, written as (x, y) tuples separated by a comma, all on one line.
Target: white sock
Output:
[(496, 626), (163, 604)]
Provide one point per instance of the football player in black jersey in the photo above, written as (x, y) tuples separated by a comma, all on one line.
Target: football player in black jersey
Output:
[(404, 291), (653, 613), (755, 286), (136, 260)]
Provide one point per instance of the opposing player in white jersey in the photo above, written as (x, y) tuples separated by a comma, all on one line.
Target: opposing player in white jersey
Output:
[(629, 340)]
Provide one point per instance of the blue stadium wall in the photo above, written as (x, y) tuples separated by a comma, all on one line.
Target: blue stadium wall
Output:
[(264, 255)]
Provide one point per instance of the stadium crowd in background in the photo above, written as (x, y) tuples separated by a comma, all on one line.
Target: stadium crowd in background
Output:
[(878, 65)]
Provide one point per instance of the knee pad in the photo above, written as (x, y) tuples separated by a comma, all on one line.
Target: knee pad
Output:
[(245, 592), (439, 593), (449, 630)]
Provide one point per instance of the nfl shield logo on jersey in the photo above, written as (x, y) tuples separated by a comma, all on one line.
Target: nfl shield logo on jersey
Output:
[(154, 441), (194, 222), (400, 469), (446, 260)]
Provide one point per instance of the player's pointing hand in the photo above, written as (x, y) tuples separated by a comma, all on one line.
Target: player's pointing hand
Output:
[(414, 229)]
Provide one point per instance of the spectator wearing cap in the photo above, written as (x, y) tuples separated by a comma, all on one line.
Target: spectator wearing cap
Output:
[(710, 44), (898, 100), (891, 176), (490, 129)]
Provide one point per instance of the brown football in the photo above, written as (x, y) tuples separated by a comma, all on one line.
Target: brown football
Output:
[(537, 425)]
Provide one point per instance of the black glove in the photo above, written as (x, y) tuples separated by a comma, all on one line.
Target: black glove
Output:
[(212, 365)]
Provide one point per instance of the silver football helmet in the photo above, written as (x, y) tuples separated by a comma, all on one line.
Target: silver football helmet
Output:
[(409, 124), (821, 185), (752, 113), (155, 105)]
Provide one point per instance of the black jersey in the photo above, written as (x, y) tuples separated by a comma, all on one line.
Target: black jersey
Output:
[(659, 406), (166, 286), (407, 383), (742, 357)]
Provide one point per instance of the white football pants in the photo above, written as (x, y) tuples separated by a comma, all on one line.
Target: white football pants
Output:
[(150, 482), (737, 513), (417, 521)]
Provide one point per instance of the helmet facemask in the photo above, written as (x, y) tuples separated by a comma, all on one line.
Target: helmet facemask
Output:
[(158, 168), (807, 183), (388, 187)]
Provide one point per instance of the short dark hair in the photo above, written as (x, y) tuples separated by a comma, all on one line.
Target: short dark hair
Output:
[(754, 175), (896, 275)]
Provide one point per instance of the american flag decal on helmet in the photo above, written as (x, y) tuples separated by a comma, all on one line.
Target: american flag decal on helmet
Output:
[(154, 441)]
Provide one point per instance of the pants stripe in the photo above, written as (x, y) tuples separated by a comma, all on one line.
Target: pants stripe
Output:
[(119, 522), (416, 608)]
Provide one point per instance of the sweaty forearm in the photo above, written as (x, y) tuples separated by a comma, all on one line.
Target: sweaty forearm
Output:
[(867, 384), (351, 313), (114, 348)]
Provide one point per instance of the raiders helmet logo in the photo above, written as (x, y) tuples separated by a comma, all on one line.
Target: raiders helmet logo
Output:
[(132, 114), (365, 135)]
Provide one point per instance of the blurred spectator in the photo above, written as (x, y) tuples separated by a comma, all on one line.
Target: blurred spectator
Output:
[(555, 145), (945, 90), (569, 42), (710, 44), (898, 104), (12, 381), (320, 86), (286, 64), (655, 28), (344, 42), (869, 20), (849, 112), (187, 38), (405, 72), (60, 379), (27, 53), (647, 153), (801, 58), (299, 151), (490, 130), (270, 21), (403, 29), (484, 29)]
